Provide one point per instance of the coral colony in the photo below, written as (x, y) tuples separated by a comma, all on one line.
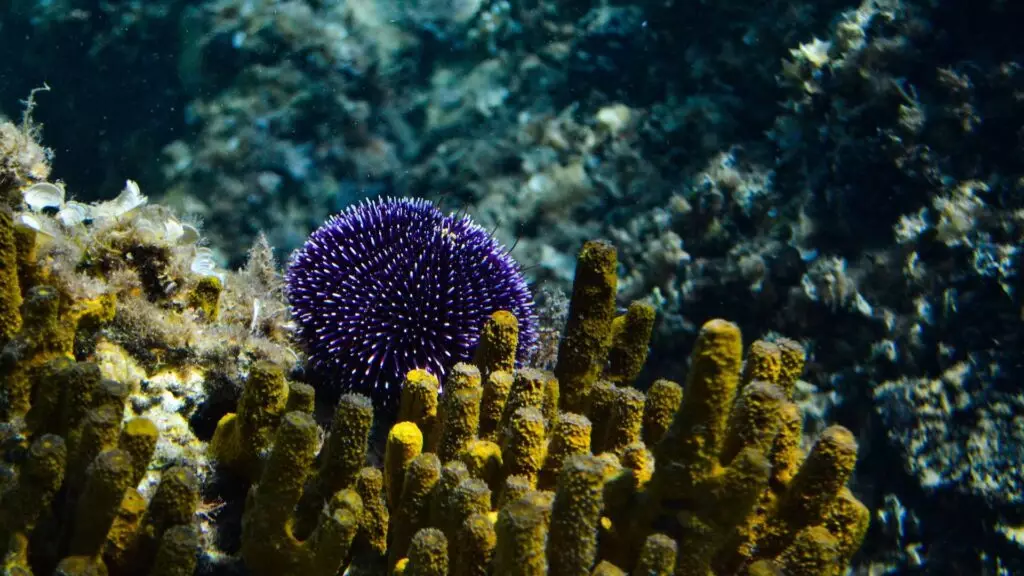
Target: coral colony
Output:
[(393, 284), (126, 453)]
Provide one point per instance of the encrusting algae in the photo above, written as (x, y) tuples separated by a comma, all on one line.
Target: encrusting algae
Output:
[(498, 470)]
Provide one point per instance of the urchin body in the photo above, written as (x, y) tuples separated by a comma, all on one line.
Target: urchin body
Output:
[(390, 285)]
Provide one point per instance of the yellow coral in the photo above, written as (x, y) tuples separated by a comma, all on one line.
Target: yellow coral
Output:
[(499, 340), (10, 286), (205, 297), (631, 335), (240, 438), (497, 387), (418, 403), (584, 348)]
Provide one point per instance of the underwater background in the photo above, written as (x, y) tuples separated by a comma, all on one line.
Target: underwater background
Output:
[(848, 177)]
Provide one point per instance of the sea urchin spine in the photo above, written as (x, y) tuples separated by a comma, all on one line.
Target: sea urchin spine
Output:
[(391, 285)]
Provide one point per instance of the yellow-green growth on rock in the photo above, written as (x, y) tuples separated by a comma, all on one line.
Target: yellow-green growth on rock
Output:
[(813, 552), (639, 460), (599, 410), (99, 433), (138, 533), (499, 341), (413, 510), (38, 481), (514, 488), (418, 403), (605, 568), (441, 512), (301, 398), (107, 479), (28, 266), (754, 421), (848, 521), (346, 446), (793, 357), (269, 547), (497, 386), (461, 421), (571, 436), (521, 531), (428, 554), (462, 376), (528, 391), (113, 393), (81, 383), (786, 454), (205, 297), (43, 337), (483, 460), (657, 557), (49, 385), (721, 503), (336, 532), (472, 496), (813, 491), (763, 362), (627, 420), (372, 539), (121, 552), (549, 408), (583, 350), (10, 286), (660, 405), (690, 448), (175, 500), (138, 439), (405, 442), (177, 555), (763, 568), (523, 443), (241, 438), (572, 537), (81, 566), (475, 550), (631, 336)]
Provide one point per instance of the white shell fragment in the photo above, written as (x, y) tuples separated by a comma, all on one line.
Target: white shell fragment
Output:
[(173, 229), (33, 222), (203, 264), (189, 234), (180, 233), (129, 199), (73, 213), (43, 195)]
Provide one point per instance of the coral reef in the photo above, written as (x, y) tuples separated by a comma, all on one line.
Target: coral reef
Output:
[(844, 173), (128, 342), (118, 333), (724, 487)]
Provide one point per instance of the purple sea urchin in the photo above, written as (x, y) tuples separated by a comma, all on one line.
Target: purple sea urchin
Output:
[(390, 285)]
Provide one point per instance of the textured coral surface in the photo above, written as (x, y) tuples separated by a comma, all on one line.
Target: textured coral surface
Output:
[(127, 343)]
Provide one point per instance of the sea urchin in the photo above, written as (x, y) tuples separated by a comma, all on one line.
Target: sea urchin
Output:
[(390, 285)]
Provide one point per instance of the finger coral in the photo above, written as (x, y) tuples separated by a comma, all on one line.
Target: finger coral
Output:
[(534, 488)]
